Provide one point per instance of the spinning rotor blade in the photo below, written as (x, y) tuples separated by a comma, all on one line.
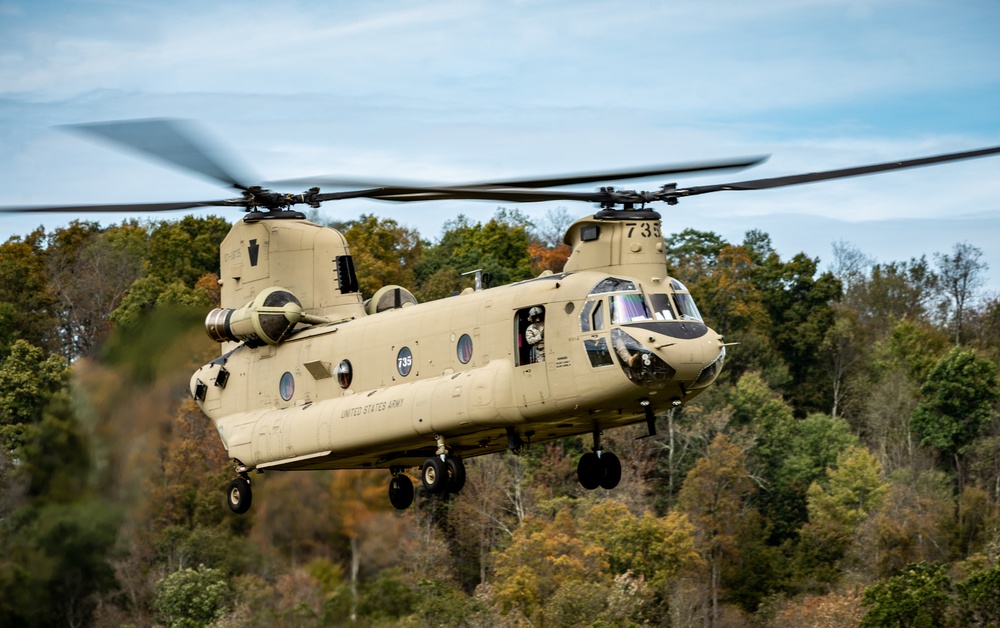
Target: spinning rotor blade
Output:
[(123, 208), (165, 139), (777, 182), (512, 190), (540, 182), (401, 194)]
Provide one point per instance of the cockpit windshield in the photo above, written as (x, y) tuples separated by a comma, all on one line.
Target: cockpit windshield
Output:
[(686, 309), (627, 308), (662, 310)]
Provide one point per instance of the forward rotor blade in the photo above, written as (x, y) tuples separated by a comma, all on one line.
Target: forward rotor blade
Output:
[(540, 182), (414, 194), (165, 139), (122, 208), (777, 182)]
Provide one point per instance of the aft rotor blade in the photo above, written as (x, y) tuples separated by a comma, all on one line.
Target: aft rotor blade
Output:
[(540, 182), (122, 208), (777, 182), (169, 140)]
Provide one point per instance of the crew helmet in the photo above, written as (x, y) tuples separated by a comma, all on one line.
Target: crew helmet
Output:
[(535, 311)]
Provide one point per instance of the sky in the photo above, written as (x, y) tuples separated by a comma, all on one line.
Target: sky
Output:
[(473, 90)]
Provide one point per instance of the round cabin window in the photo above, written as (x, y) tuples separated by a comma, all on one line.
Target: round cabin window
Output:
[(286, 386), (404, 361), (464, 349), (345, 373)]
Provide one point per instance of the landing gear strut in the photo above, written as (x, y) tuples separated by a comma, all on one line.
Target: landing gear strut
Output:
[(598, 467), (440, 474), (443, 474)]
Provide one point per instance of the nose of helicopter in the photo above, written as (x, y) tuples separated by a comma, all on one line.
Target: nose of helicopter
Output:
[(657, 355)]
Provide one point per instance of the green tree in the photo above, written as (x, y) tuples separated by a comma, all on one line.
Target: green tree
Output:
[(692, 254), (543, 557), (25, 291), (919, 597), (185, 249), (956, 406), (837, 506), (788, 454), (384, 252), (28, 379), (656, 548), (55, 563), (191, 598), (799, 307), (979, 598), (499, 247), (151, 292), (713, 497)]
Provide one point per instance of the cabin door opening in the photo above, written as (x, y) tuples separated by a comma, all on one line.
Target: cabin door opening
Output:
[(531, 378)]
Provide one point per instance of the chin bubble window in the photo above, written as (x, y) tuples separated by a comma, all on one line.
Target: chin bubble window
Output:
[(286, 387)]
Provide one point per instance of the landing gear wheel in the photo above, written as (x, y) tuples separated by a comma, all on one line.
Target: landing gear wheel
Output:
[(400, 492), (456, 474), (239, 495), (612, 470), (434, 475), (590, 471)]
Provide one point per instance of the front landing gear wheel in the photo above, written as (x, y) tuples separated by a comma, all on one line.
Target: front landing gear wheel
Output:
[(434, 475), (604, 470), (400, 492), (239, 495)]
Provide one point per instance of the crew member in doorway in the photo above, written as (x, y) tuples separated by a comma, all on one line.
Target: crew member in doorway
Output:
[(535, 334)]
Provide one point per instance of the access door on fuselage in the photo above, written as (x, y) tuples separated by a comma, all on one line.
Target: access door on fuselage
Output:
[(531, 380)]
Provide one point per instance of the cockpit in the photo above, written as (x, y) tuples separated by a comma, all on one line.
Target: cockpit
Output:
[(618, 306)]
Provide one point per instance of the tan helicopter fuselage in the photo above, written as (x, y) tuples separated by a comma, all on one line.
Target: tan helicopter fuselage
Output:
[(342, 386)]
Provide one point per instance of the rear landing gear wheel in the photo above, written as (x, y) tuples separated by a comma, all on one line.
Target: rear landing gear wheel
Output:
[(400, 492), (456, 474), (434, 475), (239, 495)]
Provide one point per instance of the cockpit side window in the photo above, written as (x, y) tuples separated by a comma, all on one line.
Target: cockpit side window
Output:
[(627, 308), (598, 317), (588, 308)]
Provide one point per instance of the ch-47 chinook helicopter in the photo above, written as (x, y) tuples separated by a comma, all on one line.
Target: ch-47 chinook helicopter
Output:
[(312, 376)]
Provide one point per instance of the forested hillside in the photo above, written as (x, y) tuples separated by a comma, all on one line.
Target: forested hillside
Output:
[(843, 471)]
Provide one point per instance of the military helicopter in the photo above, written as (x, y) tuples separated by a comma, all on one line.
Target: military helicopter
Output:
[(312, 376)]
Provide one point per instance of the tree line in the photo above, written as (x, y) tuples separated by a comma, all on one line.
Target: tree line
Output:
[(843, 471)]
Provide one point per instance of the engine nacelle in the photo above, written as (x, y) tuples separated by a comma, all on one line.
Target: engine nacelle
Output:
[(270, 317)]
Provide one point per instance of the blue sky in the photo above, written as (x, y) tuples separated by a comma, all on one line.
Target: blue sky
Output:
[(477, 90)]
